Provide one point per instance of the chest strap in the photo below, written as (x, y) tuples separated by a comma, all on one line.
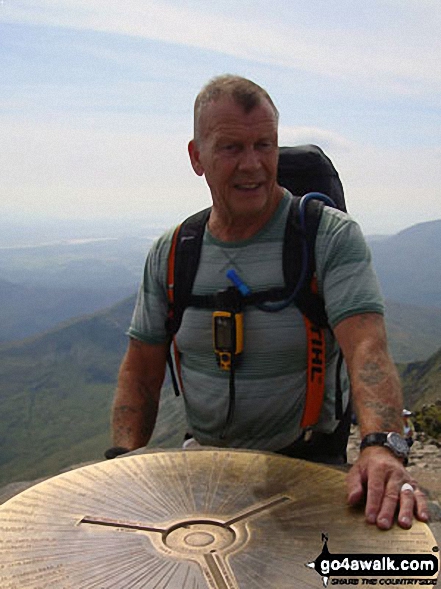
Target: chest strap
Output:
[(316, 358)]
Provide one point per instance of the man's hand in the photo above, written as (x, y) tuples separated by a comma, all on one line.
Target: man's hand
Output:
[(379, 476)]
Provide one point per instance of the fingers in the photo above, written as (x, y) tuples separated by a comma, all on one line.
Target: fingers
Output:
[(407, 505), (389, 489), (355, 485), (382, 498)]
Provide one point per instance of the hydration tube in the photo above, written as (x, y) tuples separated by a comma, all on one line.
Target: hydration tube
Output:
[(274, 307)]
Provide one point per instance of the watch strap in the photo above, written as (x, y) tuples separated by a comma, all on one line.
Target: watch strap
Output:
[(375, 439), (389, 441)]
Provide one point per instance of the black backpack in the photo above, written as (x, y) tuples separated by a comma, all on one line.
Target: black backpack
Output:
[(306, 168)]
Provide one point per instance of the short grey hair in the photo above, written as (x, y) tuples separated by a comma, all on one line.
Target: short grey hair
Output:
[(244, 92)]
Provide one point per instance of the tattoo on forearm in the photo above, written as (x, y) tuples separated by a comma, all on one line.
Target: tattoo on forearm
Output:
[(134, 424), (372, 374), (122, 430)]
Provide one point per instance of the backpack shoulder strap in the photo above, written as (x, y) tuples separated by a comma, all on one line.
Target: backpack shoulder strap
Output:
[(298, 253), (183, 262)]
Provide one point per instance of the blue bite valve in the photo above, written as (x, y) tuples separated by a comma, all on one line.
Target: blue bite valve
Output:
[(238, 282)]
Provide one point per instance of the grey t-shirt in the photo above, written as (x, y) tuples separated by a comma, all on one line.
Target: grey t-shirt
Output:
[(270, 379)]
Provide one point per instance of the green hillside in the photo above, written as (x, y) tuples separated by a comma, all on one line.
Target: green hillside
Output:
[(422, 393), (27, 310), (422, 381), (414, 332), (56, 392)]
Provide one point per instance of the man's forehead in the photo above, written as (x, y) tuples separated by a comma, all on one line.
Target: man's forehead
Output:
[(228, 115)]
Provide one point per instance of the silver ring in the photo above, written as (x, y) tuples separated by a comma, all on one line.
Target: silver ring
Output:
[(407, 487)]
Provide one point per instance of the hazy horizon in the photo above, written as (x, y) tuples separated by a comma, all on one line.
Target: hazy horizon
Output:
[(48, 231)]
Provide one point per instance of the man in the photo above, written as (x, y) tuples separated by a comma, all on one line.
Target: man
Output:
[(408, 427), (235, 147)]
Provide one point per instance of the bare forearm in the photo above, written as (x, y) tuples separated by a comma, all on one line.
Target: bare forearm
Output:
[(375, 385), (377, 394), (133, 416), (135, 406)]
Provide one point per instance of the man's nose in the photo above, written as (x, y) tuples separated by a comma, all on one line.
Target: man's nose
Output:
[(250, 159)]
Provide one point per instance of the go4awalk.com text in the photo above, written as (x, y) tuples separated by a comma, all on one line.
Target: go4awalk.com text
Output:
[(388, 569)]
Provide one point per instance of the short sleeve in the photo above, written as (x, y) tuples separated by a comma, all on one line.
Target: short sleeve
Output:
[(150, 313), (345, 273)]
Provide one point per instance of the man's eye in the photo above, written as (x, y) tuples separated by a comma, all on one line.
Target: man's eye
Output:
[(265, 145), (230, 148)]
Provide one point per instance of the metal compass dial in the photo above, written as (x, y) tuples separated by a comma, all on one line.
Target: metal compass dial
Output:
[(202, 519)]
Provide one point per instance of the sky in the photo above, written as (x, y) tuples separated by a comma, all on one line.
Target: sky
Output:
[(96, 101)]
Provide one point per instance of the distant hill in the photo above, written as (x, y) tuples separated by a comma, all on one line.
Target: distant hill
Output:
[(42, 285), (56, 392), (27, 310), (80, 264), (422, 381), (408, 264), (414, 333)]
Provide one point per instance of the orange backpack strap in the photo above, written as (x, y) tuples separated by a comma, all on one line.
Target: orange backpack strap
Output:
[(171, 300), (315, 375), (183, 262), (315, 372)]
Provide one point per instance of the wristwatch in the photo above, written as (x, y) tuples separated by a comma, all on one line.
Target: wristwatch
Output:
[(393, 441)]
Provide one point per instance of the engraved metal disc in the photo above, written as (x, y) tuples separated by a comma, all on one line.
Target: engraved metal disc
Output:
[(198, 519)]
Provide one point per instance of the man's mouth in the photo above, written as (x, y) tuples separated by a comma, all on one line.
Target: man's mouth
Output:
[(248, 186)]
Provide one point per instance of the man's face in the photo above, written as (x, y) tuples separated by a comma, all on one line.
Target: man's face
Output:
[(238, 154)]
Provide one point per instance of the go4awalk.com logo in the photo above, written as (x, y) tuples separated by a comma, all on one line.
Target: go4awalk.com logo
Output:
[(364, 566)]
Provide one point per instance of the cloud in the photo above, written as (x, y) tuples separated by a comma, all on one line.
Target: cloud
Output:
[(401, 58)]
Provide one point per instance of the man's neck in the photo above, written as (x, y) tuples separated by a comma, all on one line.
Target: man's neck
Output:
[(228, 228)]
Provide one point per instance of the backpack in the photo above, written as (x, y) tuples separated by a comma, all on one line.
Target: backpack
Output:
[(302, 169)]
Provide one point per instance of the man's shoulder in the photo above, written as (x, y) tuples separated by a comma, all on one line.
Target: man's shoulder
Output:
[(161, 245), (333, 221)]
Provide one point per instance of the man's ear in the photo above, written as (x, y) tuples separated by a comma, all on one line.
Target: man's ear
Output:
[(194, 154)]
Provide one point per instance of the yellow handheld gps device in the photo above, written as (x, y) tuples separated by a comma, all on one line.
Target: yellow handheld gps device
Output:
[(227, 337), (228, 327)]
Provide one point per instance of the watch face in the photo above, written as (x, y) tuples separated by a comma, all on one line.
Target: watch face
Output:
[(397, 444)]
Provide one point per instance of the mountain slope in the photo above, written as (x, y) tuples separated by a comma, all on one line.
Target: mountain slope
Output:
[(422, 381), (408, 264), (27, 310), (56, 394), (45, 284), (414, 333)]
